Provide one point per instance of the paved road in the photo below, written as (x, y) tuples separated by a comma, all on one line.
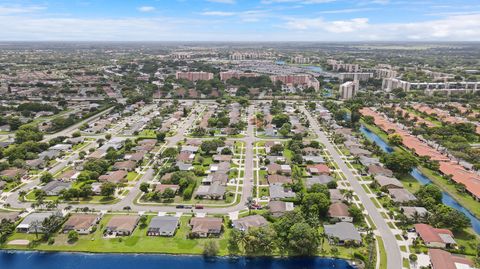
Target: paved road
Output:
[(394, 257), (70, 130)]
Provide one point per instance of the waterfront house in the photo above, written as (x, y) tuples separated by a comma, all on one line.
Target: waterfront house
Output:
[(441, 259), (252, 221), (434, 237), (205, 227), (342, 232), (81, 223), (122, 225), (163, 226)]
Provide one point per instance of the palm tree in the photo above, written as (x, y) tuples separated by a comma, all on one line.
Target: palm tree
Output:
[(250, 202), (323, 236), (22, 194), (348, 195)]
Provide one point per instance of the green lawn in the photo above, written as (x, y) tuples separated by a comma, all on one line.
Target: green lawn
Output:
[(131, 176), (137, 243), (383, 254)]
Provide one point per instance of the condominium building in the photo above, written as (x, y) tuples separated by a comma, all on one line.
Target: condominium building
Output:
[(224, 76), (389, 84), (303, 80), (355, 76), (343, 67), (300, 60), (349, 89), (194, 76)]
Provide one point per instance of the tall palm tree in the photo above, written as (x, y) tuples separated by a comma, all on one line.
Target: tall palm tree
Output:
[(249, 203)]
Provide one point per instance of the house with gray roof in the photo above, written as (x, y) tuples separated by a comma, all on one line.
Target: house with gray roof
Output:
[(343, 232), (215, 191), (401, 196), (313, 159), (55, 187), (388, 182), (252, 221), (321, 179), (163, 226), (278, 191), (33, 222), (184, 166)]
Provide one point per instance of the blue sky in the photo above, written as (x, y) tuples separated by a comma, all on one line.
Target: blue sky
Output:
[(240, 20)]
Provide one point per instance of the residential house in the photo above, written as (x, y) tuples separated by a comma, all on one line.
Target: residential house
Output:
[(414, 212), (55, 187), (376, 170), (162, 187), (252, 221), (32, 223), (278, 191), (434, 237), (321, 179), (343, 232), (9, 216), (163, 226), (339, 212), (125, 165), (215, 191), (122, 225), (114, 177), (317, 169), (401, 196), (313, 159), (81, 223), (279, 208), (205, 227), (280, 179), (387, 183), (336, 195), (441, 259)]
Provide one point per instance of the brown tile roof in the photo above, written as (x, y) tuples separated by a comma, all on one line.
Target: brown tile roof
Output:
[(430, 234), (338, 210), (272, 179), (123, 222), (442, 259), (80, 221), (206, 225), (114, 176)]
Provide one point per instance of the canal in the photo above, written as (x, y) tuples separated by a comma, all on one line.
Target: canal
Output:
[(62, 260), (447, 199)]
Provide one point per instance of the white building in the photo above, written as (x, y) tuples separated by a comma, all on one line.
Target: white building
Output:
[(349, 89)]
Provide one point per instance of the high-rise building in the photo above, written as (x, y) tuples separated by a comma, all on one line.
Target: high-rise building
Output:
[(349, 89), (303, 80), (194, 76)]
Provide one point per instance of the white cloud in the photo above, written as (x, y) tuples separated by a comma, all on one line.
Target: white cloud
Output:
[(339, 26), (11, 10), (451, 28), (218, 13), (223, 1), (146, 9)]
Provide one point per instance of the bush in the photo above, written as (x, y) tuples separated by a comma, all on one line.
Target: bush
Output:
[(210, 249), (359, 256)]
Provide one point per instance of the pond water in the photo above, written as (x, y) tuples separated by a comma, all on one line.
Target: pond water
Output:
[(61, 260)]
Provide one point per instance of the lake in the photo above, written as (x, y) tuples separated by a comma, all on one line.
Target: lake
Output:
[(62, 260), (447, 199)]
